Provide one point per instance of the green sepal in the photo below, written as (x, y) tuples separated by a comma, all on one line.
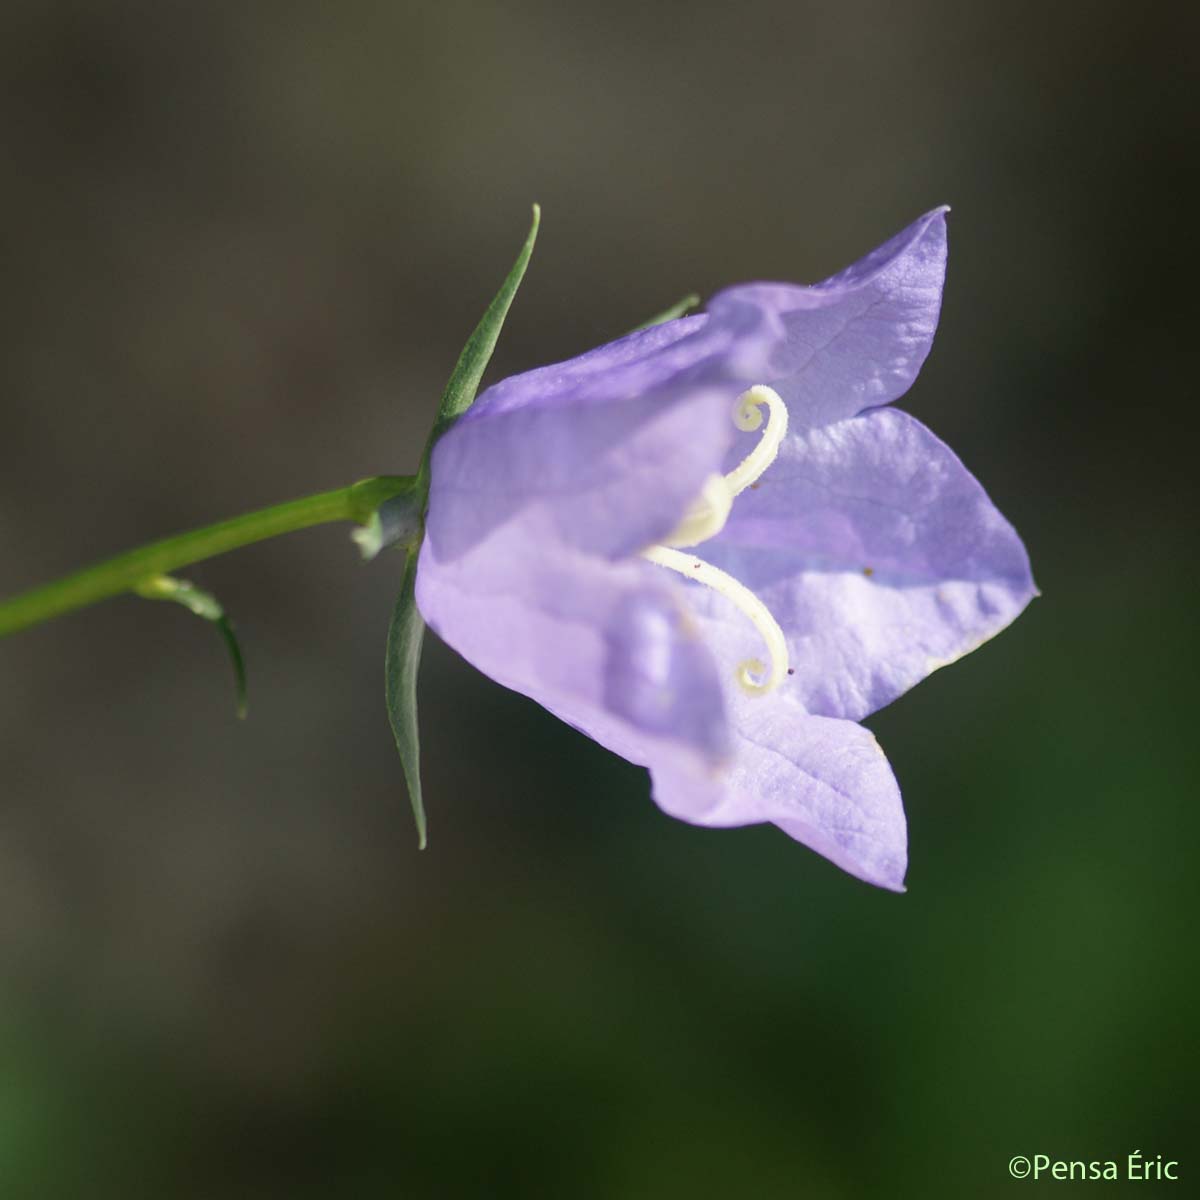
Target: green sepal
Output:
[(206, 606), (476, 354), (677, 310), (406, 635), (396, 522)]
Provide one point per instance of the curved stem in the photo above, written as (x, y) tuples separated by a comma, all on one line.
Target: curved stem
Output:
[(358, 502)]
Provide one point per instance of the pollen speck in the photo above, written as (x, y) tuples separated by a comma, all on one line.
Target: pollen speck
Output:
[(868, 571), (755, 486), (791, 670)]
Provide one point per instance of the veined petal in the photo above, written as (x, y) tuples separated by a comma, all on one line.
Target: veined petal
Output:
[(880, 555), (615, 443), (824, 782), (639, 362), (605, 479), (606, 646), (858, 339)]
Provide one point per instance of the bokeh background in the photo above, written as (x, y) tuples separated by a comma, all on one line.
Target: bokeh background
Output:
[(242, 244)]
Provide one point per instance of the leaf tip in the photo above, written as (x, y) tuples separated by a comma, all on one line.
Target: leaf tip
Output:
[(225, 627)]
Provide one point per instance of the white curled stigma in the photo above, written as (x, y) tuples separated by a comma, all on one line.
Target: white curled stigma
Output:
[(706, 517), (750, 607), (747, 416)]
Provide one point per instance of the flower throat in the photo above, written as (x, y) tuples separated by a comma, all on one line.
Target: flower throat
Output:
[(706, 517)]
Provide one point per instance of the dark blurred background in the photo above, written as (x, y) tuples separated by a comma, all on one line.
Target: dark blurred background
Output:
[(242, 245)]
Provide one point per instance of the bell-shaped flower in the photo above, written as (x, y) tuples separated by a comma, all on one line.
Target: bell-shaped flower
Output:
[(713, 548)]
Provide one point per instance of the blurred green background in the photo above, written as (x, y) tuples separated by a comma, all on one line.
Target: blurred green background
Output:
[(242, 244)]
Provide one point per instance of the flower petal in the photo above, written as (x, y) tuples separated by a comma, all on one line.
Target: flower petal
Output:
[(612, 445), (880, 555), (824, 782), (605, 479), (858, 339), (606, 646), (617, 442)]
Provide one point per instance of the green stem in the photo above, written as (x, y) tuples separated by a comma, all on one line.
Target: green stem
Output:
[(125, 572)]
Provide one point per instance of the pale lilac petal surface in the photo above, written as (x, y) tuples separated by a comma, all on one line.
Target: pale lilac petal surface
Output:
[(824, 782), (876, 551), (880, 555), (613, 445), (607, 646), (605, 479), (616, 442), (858, 339)]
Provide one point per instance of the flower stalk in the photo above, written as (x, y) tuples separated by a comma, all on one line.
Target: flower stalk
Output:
[(131, 571)]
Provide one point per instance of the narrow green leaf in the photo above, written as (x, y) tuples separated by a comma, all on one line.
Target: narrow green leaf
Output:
[(678, 309), (406, 633), (206, 606), (225, 628), (406, 636), (472, 362)]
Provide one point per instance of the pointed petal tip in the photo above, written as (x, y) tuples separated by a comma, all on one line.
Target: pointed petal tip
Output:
[(938, 212), (887, 875), (935, 216), (928, 224)]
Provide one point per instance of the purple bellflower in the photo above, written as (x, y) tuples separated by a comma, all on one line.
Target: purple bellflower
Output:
[(713, 548)]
